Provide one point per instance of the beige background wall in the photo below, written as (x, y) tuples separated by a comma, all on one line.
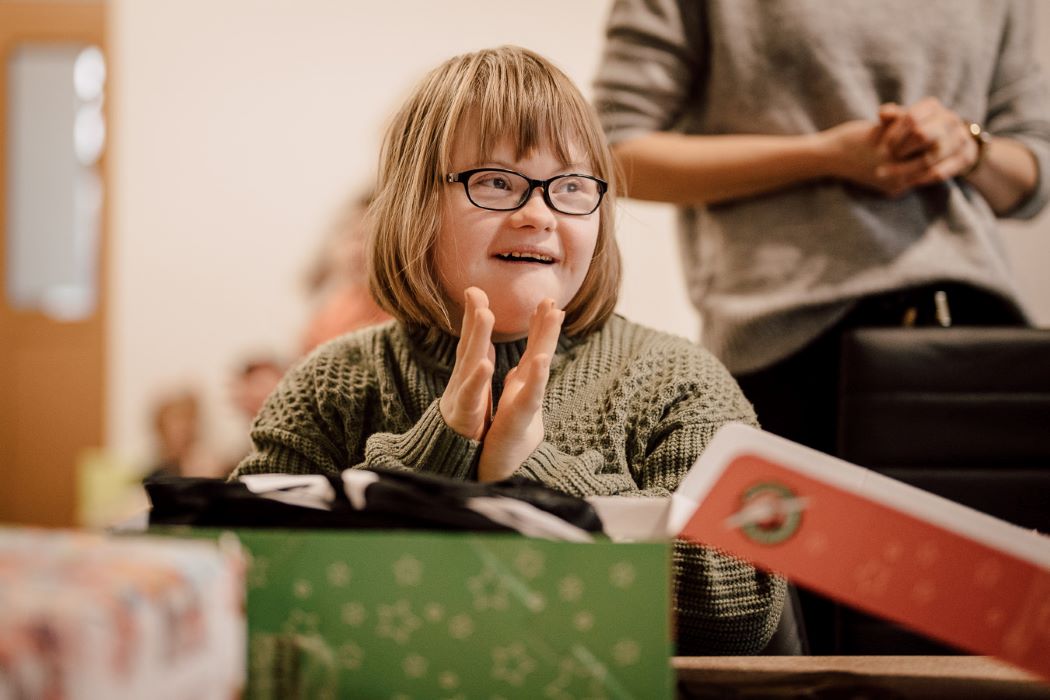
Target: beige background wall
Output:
[(237, 128)]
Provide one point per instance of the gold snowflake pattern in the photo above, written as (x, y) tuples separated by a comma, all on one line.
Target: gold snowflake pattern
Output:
[(575, 682), (408, 571), (397, 621), (529, 562), (489, 589), (460, 627), (626, 652), (301, 622), (621, 575), (339, 573), (414, 666), (434, 612), (570, 588), (512, 663), (448, 680), (353, 613), (350, 656), (535, 601), (302, 589)]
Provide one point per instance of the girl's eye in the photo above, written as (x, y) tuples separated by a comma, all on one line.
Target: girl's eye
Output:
[(569, 185), (495, 182)]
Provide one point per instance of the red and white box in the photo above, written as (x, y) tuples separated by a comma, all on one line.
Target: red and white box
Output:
[(866, 540)]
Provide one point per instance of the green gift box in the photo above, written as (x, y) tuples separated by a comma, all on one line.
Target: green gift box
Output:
[(400, 615)]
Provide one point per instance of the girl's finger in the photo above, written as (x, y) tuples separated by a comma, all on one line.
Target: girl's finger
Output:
[(480, 340), (474, 395), (467, 325), (544, 329)]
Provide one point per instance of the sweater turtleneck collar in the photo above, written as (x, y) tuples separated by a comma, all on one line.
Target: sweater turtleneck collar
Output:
[(440, 349)]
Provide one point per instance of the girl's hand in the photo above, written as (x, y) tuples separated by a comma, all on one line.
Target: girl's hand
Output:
[(517, 427), (466, 404)]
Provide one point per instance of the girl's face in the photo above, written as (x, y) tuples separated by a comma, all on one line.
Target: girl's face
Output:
[(518, 258)]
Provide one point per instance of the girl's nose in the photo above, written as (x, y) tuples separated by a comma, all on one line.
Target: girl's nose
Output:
[(535, 211)]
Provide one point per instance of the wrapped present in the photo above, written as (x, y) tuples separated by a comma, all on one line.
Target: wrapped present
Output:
[(389, 614), (92, 616), (874, 543)]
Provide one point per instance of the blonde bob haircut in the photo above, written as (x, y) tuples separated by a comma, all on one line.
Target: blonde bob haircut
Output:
[(503, 92)]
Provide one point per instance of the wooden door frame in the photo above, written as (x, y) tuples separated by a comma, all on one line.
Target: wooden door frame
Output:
[(53, 22)]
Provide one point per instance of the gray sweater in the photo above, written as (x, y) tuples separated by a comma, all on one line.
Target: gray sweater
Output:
[(771, 272), (627, 410)]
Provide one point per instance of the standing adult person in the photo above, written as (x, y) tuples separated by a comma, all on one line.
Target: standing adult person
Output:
[(836, 165)]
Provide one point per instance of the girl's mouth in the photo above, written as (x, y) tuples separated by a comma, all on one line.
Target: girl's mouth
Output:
[(526, 258)]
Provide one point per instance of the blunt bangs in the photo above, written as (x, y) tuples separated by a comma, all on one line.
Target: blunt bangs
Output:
[(504, 93)]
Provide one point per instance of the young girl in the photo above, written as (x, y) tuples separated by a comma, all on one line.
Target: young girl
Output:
[(492, 247)]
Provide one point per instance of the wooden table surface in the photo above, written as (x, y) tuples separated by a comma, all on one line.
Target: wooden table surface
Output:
[(855, 677)]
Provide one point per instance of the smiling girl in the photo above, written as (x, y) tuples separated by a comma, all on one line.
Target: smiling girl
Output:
[(493, 248)]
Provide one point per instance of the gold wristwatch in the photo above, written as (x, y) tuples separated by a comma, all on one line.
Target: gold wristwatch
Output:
[(982, 138)]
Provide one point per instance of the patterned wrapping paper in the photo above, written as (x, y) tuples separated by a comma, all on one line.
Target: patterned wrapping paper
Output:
[(91, 616), (427, 615)]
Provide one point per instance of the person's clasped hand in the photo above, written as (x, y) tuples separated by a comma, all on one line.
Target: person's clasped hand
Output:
[(923, 144), (514, 432)]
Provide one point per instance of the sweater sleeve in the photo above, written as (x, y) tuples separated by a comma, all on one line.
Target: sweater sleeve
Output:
[(428, 446), (578, 475), (646, 74), (1019, 100), (317, 422)]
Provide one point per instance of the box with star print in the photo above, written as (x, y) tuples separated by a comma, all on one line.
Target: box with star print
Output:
[(455, 615)]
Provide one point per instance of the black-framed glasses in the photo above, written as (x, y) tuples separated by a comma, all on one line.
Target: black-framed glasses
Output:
[(497, 189)]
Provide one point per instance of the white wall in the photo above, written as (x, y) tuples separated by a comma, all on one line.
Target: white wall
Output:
[(238, 126)]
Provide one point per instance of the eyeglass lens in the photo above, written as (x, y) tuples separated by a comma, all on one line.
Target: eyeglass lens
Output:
[(569, 194)]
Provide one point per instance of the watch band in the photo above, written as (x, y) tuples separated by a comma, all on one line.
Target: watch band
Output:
[(982, 138)]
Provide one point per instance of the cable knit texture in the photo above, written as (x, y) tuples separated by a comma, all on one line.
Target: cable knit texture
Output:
[(627, 411)]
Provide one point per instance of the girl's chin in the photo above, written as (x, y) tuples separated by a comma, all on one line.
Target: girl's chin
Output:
[(512, 317), (506, 332)]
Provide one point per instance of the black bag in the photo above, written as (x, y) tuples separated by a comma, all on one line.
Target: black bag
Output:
[(394, 500)]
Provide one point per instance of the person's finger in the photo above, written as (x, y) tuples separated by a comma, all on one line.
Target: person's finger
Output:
[(474, 395), (924, 136), (477, 345), (941, 171), (896, 132), (531, 396), (545, 328), (893, 178), (888, 112), (467, 325), (951, 143)]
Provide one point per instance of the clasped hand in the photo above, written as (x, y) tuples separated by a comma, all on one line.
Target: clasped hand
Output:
[(514, 432), (908, 147)]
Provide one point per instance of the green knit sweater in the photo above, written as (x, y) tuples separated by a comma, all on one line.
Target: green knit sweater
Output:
[(627, 411)]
